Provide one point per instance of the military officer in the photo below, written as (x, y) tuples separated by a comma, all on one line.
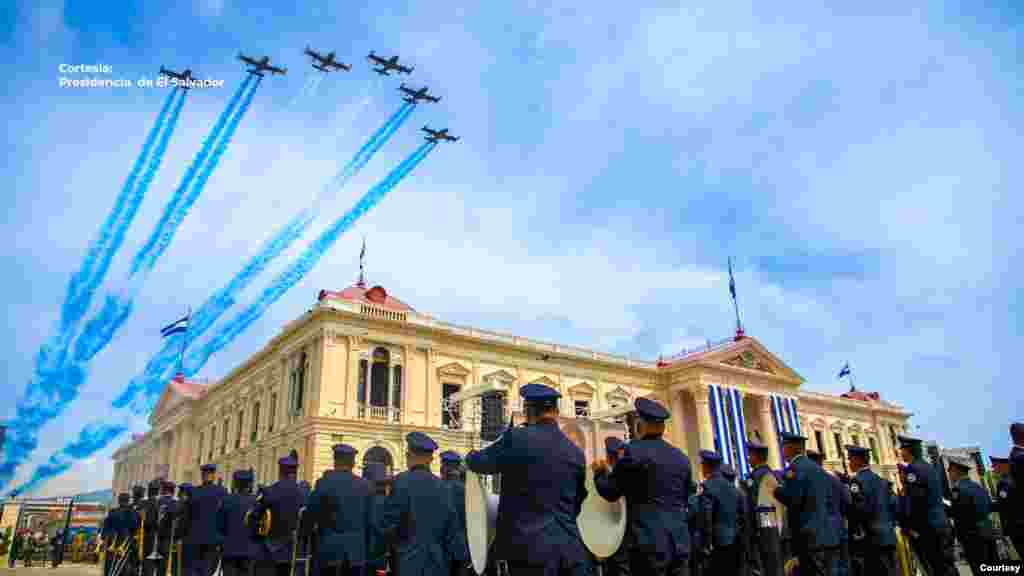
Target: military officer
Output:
[(202, 536), (871, 518), (167, 511), (618, 563), (1015, 498), (718, 512), (839, 514), (451, 473), (238, 549), (543, 478), (763, 546), (657, 481), (108, 533), (283, 499), (378, 549), (807, 494), (742, 524), (921, 510), (340, 509), (971, 511), (419, 516), (125, 524)]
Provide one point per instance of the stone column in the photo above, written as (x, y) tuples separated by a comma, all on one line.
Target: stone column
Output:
[(705, 429), (771, 436), (678, 422), (352, 377)]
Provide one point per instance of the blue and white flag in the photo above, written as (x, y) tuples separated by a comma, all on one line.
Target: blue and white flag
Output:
[(845, 371), (732, 281), (179, 327)]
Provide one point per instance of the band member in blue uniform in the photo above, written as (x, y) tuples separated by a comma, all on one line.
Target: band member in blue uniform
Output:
[(871, 518), (126, 527), (971, 512), (718, 513), (167, 511), (283, 499), (656, 480), (239, 549), (617, 564), (108, 534), (181, 530), (202, 537), (339, 515), (149, 512), (1001, 469), (418, 516), (543, 485), (1014, 503), (378, 550), (838, 513), (922, 515), (807, 494), (764, 545), (451, 473), (742, 523)]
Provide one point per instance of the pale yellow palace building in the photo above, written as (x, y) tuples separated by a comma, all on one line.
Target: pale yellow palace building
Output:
[(364, 368)]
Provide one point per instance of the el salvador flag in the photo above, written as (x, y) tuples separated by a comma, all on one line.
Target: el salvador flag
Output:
[(845, 371), (175, 328)]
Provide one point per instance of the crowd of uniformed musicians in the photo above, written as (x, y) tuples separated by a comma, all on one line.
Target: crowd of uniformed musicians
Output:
[(414, 524)]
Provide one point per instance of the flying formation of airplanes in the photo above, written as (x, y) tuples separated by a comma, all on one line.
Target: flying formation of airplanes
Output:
[(261, 65), (441, 135), (183, 76), (326, 63), (387, 65), (414, 96)]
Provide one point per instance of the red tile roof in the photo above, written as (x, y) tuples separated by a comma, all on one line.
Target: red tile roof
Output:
[(376, 296), (863, 396), (191, 390)]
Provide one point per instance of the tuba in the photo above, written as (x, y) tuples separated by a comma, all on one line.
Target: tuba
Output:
[(161, 517), (602, 524), (481, 520), (260, 527)]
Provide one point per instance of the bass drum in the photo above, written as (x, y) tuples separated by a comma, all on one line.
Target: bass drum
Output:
[(602, 524)]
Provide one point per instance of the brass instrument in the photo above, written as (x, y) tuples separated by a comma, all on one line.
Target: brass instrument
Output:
[(296, 545), (121, 556), (262, 527), (174, 550), (139, 535)]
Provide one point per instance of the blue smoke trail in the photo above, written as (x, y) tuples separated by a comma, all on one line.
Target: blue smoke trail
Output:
[(306, 261), (151, 382), (55, 381), (98, 436), (93, 438), (117, 308), (143, 255), (84, 282), (148, 385)]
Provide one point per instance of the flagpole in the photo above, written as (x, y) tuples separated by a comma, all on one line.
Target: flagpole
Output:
[(849, 375), (184, 342), (735, 304)]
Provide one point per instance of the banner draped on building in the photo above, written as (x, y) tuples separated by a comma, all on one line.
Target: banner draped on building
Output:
[(730, 427), (785, 417)]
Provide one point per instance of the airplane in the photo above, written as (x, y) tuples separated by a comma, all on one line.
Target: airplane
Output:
[(387, 65), (184, 77), (261, 65), (414, 96), (441, 135), (326, 63)]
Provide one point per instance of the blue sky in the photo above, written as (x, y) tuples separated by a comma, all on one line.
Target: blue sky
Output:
[(860, 164)]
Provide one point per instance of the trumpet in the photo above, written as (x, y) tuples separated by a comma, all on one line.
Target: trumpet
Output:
[(139, 535), (121, 556)]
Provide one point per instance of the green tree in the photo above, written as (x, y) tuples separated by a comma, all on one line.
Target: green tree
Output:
[(5, 542)]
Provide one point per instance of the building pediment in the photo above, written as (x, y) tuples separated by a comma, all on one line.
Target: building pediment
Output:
[(618, 396), (582, 389), (500, 377), (454, 369), (545, 381), (749, 354)]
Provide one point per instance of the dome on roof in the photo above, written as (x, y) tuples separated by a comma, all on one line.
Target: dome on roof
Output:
[(376, 296)]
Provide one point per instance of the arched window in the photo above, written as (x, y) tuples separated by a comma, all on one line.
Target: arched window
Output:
[(361, 391), (381, 455)]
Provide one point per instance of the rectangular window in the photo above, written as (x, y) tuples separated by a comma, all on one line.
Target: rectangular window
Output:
[(839, 445), (450, 417), (213, 442), (396, 387), (819, 438), (238, 434), (298, 380), (272, 416), (874, 450), (224, 438), (202, 445), (582, 409), (255, 426)]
